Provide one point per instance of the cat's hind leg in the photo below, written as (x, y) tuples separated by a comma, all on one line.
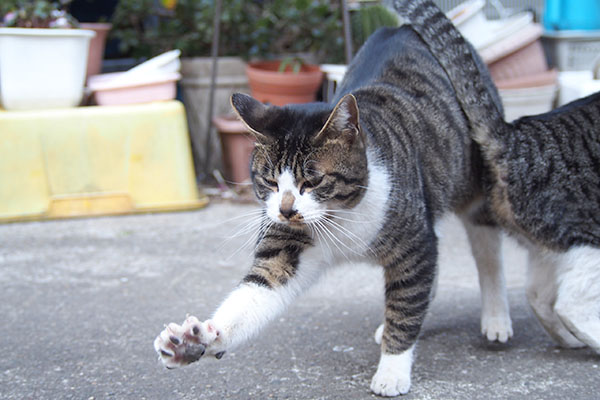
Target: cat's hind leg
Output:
[(485, 242), (541, 289), (578, 296)]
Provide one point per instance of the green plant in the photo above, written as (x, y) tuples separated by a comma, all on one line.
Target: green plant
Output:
[(146, 28), (294, 63), (249, 28), (298, 26), (366, 20), (37, 14)]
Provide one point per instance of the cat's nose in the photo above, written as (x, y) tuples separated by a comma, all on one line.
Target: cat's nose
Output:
[(287, 212), (286, 208)]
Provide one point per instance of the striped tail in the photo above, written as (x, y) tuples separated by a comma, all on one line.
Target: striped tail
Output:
[(457, 58)]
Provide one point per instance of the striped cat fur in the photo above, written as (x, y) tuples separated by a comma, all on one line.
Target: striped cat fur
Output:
[(364, 177), (542, 185)]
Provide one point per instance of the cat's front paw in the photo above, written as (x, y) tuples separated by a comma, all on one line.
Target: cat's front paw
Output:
[(393, 374), (390, 383), (179, 345), (497, 328)]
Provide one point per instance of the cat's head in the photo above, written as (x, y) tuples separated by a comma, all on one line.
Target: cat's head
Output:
[(309, 160)]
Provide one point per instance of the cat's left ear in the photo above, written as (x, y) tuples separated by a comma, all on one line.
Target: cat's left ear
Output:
[(343, 123), (252, 113)]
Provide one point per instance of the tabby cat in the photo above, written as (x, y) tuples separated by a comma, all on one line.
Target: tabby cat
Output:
[(365, 178), (542, 185)]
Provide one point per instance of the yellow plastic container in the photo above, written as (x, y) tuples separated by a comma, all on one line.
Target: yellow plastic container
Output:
[(95, 161)]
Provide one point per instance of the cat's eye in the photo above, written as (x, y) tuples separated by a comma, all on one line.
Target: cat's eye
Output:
[(271, 183), (309, 185)]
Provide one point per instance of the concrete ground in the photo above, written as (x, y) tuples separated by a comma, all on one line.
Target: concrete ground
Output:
[(82, 300)]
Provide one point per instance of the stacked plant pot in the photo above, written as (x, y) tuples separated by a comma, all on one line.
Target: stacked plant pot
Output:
[(270, 86), (572, 42)]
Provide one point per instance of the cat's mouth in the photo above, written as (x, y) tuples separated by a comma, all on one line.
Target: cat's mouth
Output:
[(292, 219)]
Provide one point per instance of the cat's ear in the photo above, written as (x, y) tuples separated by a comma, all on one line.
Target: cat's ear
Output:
[(252, 113), (343, 123)]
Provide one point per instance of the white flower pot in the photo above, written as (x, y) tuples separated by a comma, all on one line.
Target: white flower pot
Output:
[(42, 68)]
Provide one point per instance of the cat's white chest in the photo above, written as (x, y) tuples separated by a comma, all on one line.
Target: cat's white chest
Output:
[(352, 231)]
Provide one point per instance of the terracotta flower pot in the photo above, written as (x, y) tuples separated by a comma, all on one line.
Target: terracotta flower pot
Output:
[(237, 145), (97, 44), (280, 88)]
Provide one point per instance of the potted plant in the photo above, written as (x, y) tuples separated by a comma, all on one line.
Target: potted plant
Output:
[(290, 41), (43, 59), (146, 28), (286, 81), (237, 145), (249, 30)]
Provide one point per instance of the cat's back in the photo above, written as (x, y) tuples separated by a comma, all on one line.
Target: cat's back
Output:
[(554, 173), (411, 115), (387, 49)]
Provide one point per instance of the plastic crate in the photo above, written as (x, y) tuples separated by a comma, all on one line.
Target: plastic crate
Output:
[(572, 50), (94, 161), (572, 15)]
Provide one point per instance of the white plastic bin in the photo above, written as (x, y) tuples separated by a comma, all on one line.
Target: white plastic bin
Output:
[(42, 68)]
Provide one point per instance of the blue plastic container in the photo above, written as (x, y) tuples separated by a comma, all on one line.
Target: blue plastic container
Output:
[(572, 15)]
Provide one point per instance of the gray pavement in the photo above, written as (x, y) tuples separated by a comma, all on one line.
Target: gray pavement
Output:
[(82, 300)]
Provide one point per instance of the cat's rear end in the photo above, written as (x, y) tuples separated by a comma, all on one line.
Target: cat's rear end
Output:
[(550, 196), (555, 158), (543, 184)]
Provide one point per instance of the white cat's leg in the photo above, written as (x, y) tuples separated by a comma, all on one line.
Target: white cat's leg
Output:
[(246, 310), (578, 300), (393, 374), (486, 248), (542, 292)]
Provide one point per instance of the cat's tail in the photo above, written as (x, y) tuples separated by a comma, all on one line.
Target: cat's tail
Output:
[(458, 60)]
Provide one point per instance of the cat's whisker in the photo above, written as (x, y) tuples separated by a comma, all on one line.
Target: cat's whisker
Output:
[(251, 225), (356, 221), (264, 228), (335, 240), (328, 234), (246, 227), (252, 238), (351, 236), (321, 240), (245, 215), (344, 211)]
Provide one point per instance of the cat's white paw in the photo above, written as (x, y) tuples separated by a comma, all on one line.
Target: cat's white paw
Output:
[(179, 345), (393, 374), (496, 328), (390, 383), (378, 334)]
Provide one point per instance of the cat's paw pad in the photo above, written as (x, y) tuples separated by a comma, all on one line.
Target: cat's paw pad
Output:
[(390, 383), (378, 334), (497, 328), (179, 345)]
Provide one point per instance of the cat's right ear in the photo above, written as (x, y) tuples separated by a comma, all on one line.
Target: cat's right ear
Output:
[(252, 113)]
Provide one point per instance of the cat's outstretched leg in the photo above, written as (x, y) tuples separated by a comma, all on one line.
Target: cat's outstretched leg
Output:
[(284, 266), (485, 242), (409, 270), (578, 296), (542, 293)]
